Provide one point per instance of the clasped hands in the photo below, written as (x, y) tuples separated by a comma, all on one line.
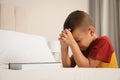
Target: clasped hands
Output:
[(66, 37)]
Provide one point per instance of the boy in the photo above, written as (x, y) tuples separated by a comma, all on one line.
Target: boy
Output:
[(88, 49)]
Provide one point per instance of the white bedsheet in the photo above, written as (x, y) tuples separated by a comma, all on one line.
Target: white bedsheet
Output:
[(62, 74)]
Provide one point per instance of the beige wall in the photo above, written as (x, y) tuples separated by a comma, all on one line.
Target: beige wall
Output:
[(46, 17)]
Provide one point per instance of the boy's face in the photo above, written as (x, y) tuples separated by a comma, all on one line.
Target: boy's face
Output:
[(83, 38)]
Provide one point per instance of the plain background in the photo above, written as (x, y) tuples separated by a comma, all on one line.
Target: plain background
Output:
[(46, 17)]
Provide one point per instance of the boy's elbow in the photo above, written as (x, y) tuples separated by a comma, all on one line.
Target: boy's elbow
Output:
[(68, 66), (87, 65)]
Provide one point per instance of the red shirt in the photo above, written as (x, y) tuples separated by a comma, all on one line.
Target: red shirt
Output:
[(100, 49)]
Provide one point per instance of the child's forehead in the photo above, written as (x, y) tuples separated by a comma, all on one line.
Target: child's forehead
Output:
[(78, 32), (78, 36)]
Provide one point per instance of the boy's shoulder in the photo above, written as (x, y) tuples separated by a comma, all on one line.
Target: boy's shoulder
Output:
[(100, 41), (101, 48), (103, 38)]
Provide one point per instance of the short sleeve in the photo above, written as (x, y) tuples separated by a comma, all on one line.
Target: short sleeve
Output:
[(101, 50)]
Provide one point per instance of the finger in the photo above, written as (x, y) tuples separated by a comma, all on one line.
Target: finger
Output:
[(64, 35), (63, 31), (60, 39), (67, 31), (60, 36), (64, 39)]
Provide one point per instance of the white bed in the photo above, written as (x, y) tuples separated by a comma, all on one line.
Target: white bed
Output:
[(16, 47)]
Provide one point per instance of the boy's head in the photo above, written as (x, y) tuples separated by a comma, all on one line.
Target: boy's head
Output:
[(82, 28)]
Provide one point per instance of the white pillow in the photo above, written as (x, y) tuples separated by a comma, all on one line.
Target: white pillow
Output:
[(16, 47)]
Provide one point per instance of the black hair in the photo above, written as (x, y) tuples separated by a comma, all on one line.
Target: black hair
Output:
[(76, 19)]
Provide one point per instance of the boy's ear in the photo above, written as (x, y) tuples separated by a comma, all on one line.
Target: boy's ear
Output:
[(91, 30)]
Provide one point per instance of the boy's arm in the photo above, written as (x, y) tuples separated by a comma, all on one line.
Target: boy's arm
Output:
[(72, 61), (80, 59), (66, 60)]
